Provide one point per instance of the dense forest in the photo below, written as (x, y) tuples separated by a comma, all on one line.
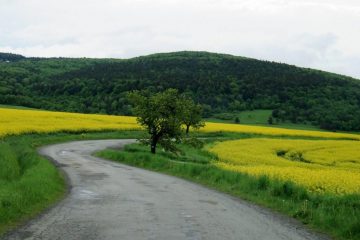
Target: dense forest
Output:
[(221, 83)]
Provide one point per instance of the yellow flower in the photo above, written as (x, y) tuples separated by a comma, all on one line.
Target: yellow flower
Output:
[(15, 121), (319, 165), (225, 127)]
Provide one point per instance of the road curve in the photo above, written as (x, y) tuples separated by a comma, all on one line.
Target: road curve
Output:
[(112, 201)]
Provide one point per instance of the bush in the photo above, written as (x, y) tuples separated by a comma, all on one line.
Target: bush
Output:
[(263, 183), (224, 116), (194, 142), (288, 189)]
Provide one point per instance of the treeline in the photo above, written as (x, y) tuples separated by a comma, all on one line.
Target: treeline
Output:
[(9, 57), (221, 83)]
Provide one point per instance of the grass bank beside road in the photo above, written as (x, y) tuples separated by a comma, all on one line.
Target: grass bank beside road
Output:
[(336, 215)]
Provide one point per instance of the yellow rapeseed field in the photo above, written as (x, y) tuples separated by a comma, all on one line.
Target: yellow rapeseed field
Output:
[(272, 131), (320, 165), (15, 121)]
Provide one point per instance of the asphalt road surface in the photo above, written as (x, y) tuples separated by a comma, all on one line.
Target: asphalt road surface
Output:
[(112, 201)]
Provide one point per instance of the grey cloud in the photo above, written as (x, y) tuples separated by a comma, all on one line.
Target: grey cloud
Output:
[(320, 43), (309, 33)]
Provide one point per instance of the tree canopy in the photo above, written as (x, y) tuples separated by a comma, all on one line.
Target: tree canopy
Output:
[(192, 114), (161, 114)]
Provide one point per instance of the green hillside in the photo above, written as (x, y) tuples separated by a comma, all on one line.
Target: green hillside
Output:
[(222, 83), (258, 117), (245, 117)]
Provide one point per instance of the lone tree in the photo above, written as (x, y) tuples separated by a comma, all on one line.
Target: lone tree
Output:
[(161, 114), (192, 114)]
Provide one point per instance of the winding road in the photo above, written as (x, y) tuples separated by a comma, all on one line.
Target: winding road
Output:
[(112, 201)]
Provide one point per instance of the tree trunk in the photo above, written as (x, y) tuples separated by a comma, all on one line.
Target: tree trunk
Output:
[(153, 148), (154, 140), (187, 130)]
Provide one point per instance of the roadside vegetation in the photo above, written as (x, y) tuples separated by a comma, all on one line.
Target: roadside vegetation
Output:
[(28, 182), (337, 215)]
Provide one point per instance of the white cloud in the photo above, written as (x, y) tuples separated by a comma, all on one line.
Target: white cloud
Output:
[(311, 33)]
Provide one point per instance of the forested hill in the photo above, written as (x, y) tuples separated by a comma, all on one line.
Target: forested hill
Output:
[(8, 57), (222, 83)]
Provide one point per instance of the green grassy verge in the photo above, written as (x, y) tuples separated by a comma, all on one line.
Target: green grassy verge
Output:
[(28, 182), (260, 118), (338, 216), (16, 107), (246, 117)]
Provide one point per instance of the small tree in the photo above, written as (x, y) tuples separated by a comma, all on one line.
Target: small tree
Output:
[(237, 120), (161, 114), (270, 120), (192, 114)]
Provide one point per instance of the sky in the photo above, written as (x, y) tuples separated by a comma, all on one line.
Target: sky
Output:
[(321, 34)]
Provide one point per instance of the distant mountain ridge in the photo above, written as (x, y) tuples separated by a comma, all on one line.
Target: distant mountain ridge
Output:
[(221, 82), (9, 57)]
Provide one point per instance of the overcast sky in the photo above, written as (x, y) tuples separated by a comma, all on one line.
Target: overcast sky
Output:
[(323, 34)]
